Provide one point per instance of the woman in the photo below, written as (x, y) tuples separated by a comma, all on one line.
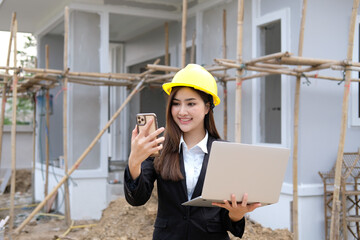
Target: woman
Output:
[(180, 169)]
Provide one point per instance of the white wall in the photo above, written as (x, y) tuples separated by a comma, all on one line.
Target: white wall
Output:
[(24, 147)]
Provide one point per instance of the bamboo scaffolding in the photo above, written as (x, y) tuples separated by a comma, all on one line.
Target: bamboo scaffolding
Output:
[(13, 135), (192, 53), (33, 147), (296, 60), (65, 118), (47, 152), (290, 72), (295, 205), (80, 159), (166, 28), (271, 66), (224, 83), (314, 76), (120, 76), (238, 96), (334, 226), (183, 34), (161, 78), (3, 98), (176, 69), (316, 68), (268, 57), (258, 75)]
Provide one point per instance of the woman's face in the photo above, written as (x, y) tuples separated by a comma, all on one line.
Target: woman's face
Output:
[(188, 110)]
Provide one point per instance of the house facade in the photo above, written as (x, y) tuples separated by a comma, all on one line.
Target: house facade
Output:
[(124, 36)]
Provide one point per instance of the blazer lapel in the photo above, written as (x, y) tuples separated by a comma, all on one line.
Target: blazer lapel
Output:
[(200, 183), (182, 169)]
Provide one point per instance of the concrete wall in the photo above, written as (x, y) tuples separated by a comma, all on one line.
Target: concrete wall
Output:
[(24, 147), (84, 125), (56, 56), (84, 122)]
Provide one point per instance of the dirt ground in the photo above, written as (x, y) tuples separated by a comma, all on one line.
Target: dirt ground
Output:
[(119, 221)]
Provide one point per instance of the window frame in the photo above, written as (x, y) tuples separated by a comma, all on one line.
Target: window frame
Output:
[(259, 21), (354, 111)]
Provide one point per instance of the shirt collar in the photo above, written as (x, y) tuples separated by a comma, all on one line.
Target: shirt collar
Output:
[(202, 144)]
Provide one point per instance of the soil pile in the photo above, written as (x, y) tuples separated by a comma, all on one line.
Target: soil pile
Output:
[(121, 221)]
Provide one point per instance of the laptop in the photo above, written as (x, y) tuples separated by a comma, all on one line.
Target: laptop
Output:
[(236, 168)]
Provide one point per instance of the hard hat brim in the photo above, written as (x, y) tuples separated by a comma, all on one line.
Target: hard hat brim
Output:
[(167, 87)]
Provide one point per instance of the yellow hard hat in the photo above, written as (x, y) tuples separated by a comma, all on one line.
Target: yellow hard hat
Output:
[(197, 77)]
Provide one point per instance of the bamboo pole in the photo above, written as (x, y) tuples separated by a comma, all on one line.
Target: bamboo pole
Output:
[(183, 34), (238, 96), (161, 78), (162, 68), (192, 54), (295, 205), (258, 75), (342, 68), (34, 146), (13, 135), (268, 57), (120, 76), (81, 158), (65, 112), (314, 68), (166, 26), (334, 227), (47, 156), (224, 60), (3, 98), (272, 66), (224, 83), (292, 60)]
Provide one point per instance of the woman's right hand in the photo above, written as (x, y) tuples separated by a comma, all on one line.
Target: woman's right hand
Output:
[(143, 145)]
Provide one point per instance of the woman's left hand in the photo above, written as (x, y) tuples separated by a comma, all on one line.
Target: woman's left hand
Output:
[(237, 210)]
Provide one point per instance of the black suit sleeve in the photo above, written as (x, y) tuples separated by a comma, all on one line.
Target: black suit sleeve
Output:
[(236, 228), (138, 191)]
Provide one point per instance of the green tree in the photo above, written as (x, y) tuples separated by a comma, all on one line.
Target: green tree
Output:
[(24, 111)]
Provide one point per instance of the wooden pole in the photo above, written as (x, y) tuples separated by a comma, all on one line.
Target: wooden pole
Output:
[(303, 61), (183, 34), (166, 26), (268, 57), (224, 83), (47, 155), (81, 158), (120, 76), (238, 96), (334, 227), (65, 109), (192, 54), (34, 146), (13, 135), (3, 98), (295, 204)]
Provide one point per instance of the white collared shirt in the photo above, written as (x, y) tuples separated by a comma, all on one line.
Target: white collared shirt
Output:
[(193, 159)]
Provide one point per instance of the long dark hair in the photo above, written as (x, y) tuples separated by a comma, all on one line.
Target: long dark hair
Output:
[(168, 164)]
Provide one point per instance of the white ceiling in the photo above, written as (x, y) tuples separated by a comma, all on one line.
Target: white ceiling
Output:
[(34, 15)]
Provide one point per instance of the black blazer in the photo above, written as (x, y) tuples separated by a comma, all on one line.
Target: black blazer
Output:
[(173, 220)]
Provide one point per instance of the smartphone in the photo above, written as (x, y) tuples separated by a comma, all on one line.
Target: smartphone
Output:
[(142, 119)]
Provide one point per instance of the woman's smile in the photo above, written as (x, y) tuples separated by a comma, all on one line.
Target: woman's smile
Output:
[(188, 111)]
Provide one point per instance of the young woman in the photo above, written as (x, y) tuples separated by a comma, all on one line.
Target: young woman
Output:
[(181, 167)]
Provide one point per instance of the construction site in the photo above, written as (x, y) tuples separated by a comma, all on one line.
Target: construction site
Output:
[(287, 74)]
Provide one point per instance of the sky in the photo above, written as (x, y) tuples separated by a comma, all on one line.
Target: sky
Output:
[(4, 43)]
